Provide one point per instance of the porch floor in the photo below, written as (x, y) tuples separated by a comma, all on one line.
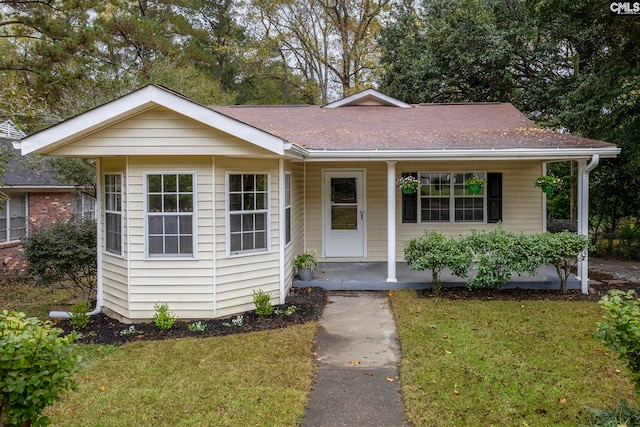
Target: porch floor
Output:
[(372, 276)]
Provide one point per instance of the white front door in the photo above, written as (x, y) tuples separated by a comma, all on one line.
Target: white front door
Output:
[(344, 214)]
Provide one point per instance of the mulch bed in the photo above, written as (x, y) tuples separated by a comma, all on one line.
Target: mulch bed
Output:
[(102, 329), (310, 303)]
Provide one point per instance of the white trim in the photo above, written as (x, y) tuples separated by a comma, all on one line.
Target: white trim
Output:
[(137, 102), (194, 215), (583, 217), (391, 222), (369, 94), (99, 257), (214, 242), (283, 232), (476, 155), (228, 217), (121, 212)]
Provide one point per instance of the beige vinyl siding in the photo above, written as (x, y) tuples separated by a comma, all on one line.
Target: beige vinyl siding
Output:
[(522, 203), (237, 276), (159, 131), (297, 221), (114, 267), (114, 283), (185, 284)]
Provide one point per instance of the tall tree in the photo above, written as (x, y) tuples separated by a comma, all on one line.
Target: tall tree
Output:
[(330, 42)]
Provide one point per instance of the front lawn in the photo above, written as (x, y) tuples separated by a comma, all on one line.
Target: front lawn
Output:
[(504, 363), (252, 379)]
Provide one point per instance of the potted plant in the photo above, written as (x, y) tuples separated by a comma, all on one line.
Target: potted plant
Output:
[(549, 183), (408, 184), (306, 265), (475, 184)]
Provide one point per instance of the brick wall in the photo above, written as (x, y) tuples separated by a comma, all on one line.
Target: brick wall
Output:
[(42, 209)]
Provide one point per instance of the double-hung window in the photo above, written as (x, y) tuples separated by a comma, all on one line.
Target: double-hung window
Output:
[(170, 214), (113, 213), (13, 218), (287, 207), (444, 197), (248, 207)]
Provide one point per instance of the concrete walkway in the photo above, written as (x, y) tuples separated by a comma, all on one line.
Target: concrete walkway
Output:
[(356, 381)]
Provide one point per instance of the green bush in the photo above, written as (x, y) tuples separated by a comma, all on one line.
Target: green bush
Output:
[(434, 251), (79, 318), (620, 330), (36, 366), (262, 301), (562, 250), (64, 252), (497, 254), (163, 317)]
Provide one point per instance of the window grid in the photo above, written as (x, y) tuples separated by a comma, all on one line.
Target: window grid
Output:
[(444, 197), (113, 213), (170, 220), (13, 218), (287, 207), (248, 209)]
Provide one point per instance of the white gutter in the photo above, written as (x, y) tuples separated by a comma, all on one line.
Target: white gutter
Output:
[(583, 217), (446, 154)]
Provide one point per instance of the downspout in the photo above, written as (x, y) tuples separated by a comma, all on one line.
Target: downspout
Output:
[(583, 219), (99, 288)]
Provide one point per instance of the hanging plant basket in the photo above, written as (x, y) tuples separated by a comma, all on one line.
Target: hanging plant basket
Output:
[(549, 184), (474, 185), (408, 184), (408, 191), (474, 189)]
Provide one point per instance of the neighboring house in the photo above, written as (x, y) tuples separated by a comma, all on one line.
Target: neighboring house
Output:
[(34, 197), (200, 206)]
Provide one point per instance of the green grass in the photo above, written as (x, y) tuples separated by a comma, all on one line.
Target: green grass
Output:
[(260, 378), (504, 363), (32, 299)]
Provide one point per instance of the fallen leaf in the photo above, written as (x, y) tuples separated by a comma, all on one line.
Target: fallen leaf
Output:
[(447, 351), (432, 326), (368, 373), (456, 392), (355, 362), (87, 378), (103, 388), (444, 337), (562, 400), (390, 379)]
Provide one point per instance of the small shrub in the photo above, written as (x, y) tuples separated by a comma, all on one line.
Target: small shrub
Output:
[(79, 318), (237, 321), (562, 250), (131, 330), (622, 415), (433, 251), (163, 317), (620, 330), (262, 301), (36, 366), (197, 326), (287, 312)]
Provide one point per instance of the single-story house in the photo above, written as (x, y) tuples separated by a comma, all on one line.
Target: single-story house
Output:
[(200, 206), (33, 196)]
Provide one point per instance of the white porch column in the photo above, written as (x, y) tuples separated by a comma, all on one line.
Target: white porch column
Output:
[(391, 222), (583, 216)]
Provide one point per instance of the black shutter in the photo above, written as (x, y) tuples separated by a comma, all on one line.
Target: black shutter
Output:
[(410, 203), (494, 197)]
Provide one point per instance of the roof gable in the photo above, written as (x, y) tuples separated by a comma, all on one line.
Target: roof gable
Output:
[(369, 97), (137, 102)]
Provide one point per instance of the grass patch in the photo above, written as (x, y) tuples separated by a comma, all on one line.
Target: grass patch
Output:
[(504, 363), (260, 378), (32, 299)]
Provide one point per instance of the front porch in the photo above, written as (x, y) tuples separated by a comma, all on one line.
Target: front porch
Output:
[(371, 276)]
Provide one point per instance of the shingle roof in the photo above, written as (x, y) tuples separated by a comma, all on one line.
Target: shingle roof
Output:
[(29, 171), (423, 127)]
